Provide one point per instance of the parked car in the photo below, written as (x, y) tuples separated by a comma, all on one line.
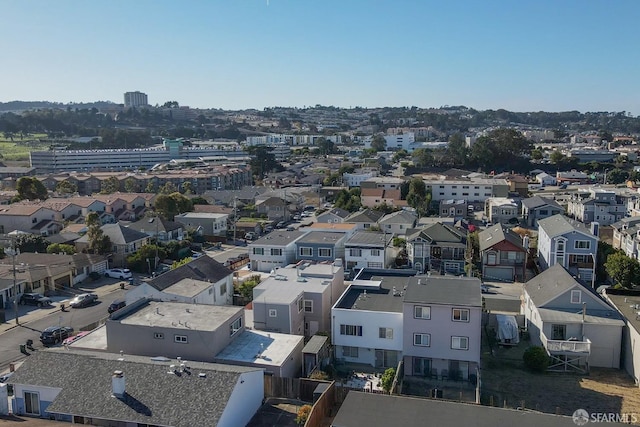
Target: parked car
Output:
[(83, 300), (296, 217), (250, 236), (268, 229), (291, 228), (32, 298), (116, 305), (484, 289), (55, 334), (281, 224), (75, 337), (118, 273)]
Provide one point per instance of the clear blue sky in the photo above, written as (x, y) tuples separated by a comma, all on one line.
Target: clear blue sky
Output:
[(521, 55)]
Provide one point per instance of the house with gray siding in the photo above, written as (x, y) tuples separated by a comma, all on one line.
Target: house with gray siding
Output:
[(627, 302), (398, 222), (442, 318), (437, 247), (333, 216), (201, 281), (320, 246), (569, 243), (576, 327), (173, 329), (297, 299), (365, 218), (369, 249), (502, 253), (276, 249), (537, 207)]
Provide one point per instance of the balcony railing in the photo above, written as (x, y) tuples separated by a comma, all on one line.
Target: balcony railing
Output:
[(566, 346)]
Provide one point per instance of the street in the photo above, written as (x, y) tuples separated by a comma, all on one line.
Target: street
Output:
[(77, 318)]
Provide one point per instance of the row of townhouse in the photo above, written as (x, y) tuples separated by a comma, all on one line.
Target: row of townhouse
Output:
[(601, 205), (214, 178), (431, 323), (49, 216)]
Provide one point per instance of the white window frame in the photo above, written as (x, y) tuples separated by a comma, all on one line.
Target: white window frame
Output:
[(276, 251), (575, 292), (355, 252), (308, 304), (350, 351), (587, 247), (325, 250), (181, 339), (385, 333), (273, 312), (422, 312), (304, 249), (421, 339), (460, 315), (459, 343), (258, 251), (235, 326), (375, 252), (351, 330), (32, 395)]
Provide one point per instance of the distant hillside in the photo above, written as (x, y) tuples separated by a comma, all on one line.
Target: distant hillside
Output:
[(16, 106)]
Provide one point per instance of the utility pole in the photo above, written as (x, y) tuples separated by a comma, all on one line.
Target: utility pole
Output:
[(155, 265), (12, 252), (235, 218)]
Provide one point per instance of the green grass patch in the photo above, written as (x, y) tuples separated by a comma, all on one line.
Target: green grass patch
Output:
[(18, 150)]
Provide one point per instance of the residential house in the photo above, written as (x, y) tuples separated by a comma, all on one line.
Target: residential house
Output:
[(298, 299), (320, 246), (159, 229), (201, 281), (502, 210), (382, 410), (126, 206), (347, 228), (274, 208), (134, 390), (279, 355), (627, 302), (355, 178), (577, 328), (437, 247), (397, 223), (518, 184), (124, 241), (372, 197), (276, 249), (369, 249), (205, 224), (568, 243), (85, 264), (503, 254), (385, 182), (442, 323), (174, 329), (451, 208), (626, 234), (28, 218), (365, 218), (333, 216), (544, 179), (598, 204), (536, 208), (43, 273), (572, 177)]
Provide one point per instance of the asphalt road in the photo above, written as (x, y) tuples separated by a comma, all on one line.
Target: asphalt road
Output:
[(77, 318)]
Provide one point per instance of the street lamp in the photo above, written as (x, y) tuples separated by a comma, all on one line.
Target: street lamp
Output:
[(12, 252)]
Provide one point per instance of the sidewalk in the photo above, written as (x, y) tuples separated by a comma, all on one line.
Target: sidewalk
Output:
[(30, 313)]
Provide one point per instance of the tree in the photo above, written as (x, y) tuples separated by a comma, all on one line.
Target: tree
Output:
[(501, 149), (180, 262), (61, 248), (422, 157), (110, 185), (151, 187), (387, 379), (246, 287), (30, 188), (31, 243), (66, 187), (99, 243), (399, 155), (535, 359), (617, 176), (131, 185), (418, 197), (170, 205), (556, 157), (262, 161), (325, 146), (348, 200), (457, 149), (623, 270), (144, 260), (378, 143), (536, 154), (168, 188), (187, 187), (198, 200)]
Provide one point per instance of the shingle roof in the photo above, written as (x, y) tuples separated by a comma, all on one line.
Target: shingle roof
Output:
[(373, 238), (367, 215), (150, 224), (337, 212), (444, 290), (380, 410), (152, 396), (320, 237), (399, 217), (496, 234), (550, 283), (559, 224), (118, 234), (537, 201), (278, 238), (203, 268), (437, 233)]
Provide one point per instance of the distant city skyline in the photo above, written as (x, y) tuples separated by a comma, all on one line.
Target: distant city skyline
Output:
[(521, 56)]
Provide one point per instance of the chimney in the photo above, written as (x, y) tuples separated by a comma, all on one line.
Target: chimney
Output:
[(117, 384)]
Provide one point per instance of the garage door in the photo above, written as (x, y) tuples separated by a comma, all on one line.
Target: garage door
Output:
[(504, 274), (62, 282)]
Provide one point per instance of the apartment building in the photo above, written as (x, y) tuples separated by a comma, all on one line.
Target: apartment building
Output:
[(471, 190), (276, 249), (599, 204)]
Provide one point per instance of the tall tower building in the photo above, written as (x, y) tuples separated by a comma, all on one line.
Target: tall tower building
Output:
[(135, 99)]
